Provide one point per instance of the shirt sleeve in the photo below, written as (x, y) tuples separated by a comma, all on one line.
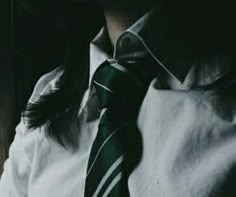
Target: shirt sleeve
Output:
[(17, 168), (15, 177)]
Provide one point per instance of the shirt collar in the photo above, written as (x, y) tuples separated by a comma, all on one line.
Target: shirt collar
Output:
[(98, 52), (151, 33)]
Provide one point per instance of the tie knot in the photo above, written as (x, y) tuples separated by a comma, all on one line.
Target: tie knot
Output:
[(123, 83)]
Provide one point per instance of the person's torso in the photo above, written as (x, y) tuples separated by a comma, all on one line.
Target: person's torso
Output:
[(188, 147)]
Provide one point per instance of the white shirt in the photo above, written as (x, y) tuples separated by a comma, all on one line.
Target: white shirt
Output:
[(188, 135)]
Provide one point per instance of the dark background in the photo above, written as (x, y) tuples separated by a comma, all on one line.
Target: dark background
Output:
[(6, 80)]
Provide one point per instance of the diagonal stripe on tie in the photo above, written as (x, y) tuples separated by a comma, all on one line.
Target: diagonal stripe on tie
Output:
[(101, 141), (109, 174), (113, 184), (102, 86), (112, 152), (93, 159)]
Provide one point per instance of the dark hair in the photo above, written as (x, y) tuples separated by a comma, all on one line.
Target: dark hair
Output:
[(59, 109)]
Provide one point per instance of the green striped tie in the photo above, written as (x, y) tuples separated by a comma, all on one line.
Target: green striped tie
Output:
[(120, 86)]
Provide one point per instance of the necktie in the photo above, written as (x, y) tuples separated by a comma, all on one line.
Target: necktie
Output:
[(120, 86)]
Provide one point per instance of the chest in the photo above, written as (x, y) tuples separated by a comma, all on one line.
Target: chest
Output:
[(187, 150)]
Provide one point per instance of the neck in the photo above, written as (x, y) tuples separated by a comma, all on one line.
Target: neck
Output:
[(118, 19)]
